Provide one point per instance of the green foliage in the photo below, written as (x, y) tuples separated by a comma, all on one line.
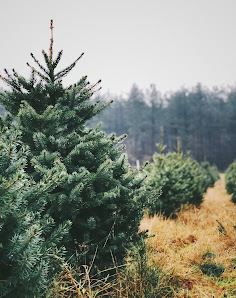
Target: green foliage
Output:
[(211, 173), (209, 267), (30, 241), (208, 255), (230, 180), (101, 195), (2, 110), (180, 180), (212, 269)]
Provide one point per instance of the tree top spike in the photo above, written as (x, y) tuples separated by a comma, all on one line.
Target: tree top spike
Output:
[(50, 49)]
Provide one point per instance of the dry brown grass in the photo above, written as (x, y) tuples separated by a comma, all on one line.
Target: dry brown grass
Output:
[(179, 245), (175, 252)]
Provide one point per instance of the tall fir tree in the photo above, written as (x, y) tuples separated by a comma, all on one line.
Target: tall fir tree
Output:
[(137, 123), (101, 194), (30, 241)]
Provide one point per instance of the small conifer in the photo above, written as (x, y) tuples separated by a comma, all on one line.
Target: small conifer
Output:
[(180, 180)]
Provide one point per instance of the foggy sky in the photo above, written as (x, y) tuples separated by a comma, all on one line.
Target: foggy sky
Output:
[(171, 43)]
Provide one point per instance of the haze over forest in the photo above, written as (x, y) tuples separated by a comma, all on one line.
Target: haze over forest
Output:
[(170, 44), (202, 120)]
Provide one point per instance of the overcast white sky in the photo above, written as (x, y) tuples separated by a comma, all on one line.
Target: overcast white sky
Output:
[(171, 43)]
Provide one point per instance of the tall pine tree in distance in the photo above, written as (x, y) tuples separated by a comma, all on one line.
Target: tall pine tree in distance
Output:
[(101, 194)]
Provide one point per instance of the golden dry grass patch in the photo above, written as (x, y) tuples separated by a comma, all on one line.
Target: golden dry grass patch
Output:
[(183, 244)]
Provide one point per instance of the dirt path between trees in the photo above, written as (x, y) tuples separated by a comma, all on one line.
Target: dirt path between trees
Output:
[(199, 247)]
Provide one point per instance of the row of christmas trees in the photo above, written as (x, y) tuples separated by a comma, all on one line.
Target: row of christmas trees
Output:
[(230, 180), (68, 193)]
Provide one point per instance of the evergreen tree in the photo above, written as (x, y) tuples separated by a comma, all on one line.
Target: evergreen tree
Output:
[(211, 173), (100, 194), (230, 181), (154, 116), (179, 179), (30, 252), (178, 123), (137, 123)]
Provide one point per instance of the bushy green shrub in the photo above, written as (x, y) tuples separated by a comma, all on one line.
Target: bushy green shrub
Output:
[(209, 267), (230, 180), (180, 180), (211, 173), (212, 269)]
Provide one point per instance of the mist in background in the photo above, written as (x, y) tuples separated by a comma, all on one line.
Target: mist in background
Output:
[(172, 43)]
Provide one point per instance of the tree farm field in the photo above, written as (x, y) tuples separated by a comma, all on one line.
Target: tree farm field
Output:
[(77, 220), (198, 240)]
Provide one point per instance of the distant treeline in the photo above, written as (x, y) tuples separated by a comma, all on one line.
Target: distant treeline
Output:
[(203, 120)]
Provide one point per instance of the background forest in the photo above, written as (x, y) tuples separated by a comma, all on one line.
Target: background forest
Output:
[(203, 120)]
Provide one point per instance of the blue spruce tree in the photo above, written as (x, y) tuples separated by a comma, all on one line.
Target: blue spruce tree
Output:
[(101, 195), (31, 252)]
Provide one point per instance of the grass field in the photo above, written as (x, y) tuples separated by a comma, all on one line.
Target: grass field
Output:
[(193, 255), (199, 247)]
